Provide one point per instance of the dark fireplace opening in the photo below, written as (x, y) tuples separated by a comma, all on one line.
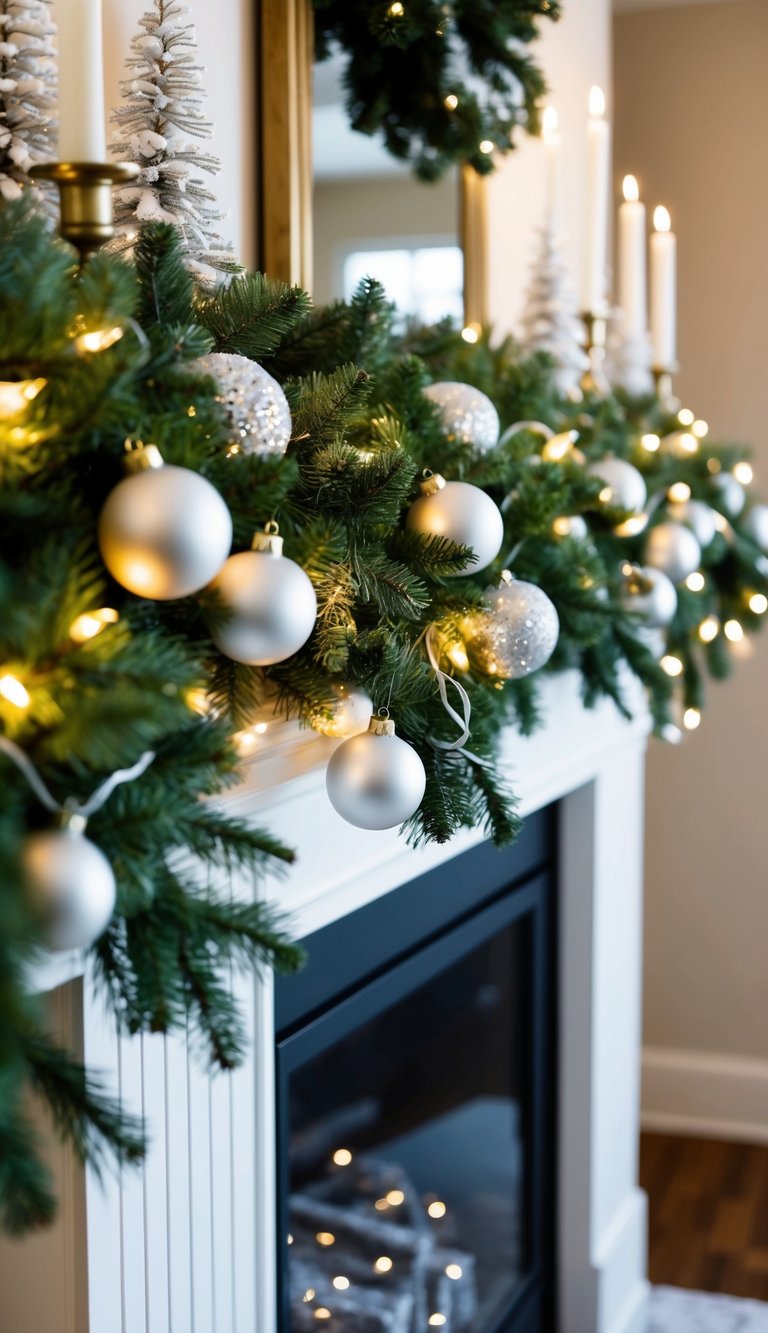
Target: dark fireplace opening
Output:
[(415, 1090)]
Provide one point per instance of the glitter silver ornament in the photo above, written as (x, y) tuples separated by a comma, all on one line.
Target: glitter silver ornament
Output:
[(733, 497), (624, 485), (649, 593), (674, 550), (463, 513), (256, 408), (70, 883), (375, 780), (517, 633), (467, 414), (697, 516), (269, 603), (164, 531), (350, 713), (756, 525)]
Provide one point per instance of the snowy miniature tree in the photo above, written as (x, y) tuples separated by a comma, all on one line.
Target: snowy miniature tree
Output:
[(550, 321), (28, 120), (157, 124)]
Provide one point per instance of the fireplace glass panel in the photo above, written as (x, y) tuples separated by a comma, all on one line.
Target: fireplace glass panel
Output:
[(407, 1154)]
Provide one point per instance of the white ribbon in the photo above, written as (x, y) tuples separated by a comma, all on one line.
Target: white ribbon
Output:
[(443, 680), (94, 802), (538, 427)]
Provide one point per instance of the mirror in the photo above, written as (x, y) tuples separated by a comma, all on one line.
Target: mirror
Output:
[(370, 215)]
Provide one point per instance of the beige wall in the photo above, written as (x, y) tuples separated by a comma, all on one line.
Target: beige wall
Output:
[(692, 122)]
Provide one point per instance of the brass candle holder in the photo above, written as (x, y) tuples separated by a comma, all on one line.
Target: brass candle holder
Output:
[(662, 379), (85, 199), (594, 379)]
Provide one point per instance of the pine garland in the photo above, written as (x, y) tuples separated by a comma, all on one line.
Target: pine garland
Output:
[(363, 431)]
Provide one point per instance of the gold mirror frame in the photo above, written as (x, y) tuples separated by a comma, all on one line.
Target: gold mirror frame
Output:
[(284, 161)]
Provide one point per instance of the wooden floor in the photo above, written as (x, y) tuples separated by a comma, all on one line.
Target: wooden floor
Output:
[(708, 1206)]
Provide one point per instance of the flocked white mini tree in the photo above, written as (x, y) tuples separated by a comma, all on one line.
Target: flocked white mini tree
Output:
[(550, 321), (28, 121), (159, 125)]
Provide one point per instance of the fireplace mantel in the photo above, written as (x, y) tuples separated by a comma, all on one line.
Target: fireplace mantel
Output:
[(189, 1240)]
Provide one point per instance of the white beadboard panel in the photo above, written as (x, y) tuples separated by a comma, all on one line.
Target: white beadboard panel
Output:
[(132, 1241), (242, 1152), (155, 1183), (200, 1216), (103, 1198), (177, 1185), (221, 1200)]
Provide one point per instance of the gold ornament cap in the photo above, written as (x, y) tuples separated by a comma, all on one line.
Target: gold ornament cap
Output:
[(71, 821), (381, 726), (141, 457), (267, 539), (431, 482), (635, 582)]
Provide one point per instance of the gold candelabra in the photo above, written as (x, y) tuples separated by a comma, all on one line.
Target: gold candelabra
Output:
[(596, 329), (85, 199), (662, 379)]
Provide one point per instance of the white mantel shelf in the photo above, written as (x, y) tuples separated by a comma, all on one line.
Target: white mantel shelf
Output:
[(187, 1244)]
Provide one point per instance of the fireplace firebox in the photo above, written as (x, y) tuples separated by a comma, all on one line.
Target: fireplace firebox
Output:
[(415, 1105)]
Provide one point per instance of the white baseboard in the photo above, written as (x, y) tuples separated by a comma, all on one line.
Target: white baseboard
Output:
[(706, 1094)]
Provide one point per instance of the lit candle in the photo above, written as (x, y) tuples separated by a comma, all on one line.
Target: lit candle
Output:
[(663, 289), (632, 295), (595, 278), (552, 142), (82, 135)]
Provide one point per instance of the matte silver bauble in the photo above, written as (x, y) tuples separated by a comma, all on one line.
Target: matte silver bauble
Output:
[(376, 780), (674, 550), (517, 634), (463, 513), (756, 525), (624, 488), (733, 497), (164, 531), (350, 713), (467, 415), (650, 594), (71, 887), (256, 408), (697, 516), (268, 603)]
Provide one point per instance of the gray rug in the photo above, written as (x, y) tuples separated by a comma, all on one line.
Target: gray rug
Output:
[(672, 1310)]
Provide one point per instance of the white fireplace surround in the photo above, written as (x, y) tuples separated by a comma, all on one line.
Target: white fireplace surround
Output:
[(187, 1243)]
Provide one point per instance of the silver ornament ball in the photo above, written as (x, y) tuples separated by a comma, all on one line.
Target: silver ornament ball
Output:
[(71, 887), (625, 488), (756, 525), (164, 532), (733, 497), (269, 604), (697, 516), (517, 633), (466, 414), (649, 593), (462, 513), (375, 780), (350, 713), (256, 408), (674, 550)]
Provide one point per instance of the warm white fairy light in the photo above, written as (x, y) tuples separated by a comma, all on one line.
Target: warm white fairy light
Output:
[(91, 623), (395, 1198), (758, 603), (650, 442), (486, 146), (709, 629), (451, 102), (396, 10), (686, 417), (12, 689), (98, 340), (687, 442), (325, 1238), (289, 1238), (322, 1313), (696, 581), (309, 1295), (733, 631), (457, 654), (560, 446), (471, 333), (632, 526), (436, 1209), (436, 1320), (672, 665), (341, 1283), (16, 395), (691, 719), (383, 1264), (342, 1157), (454, 1271), (700, 428), (679, 492), (743, 473)]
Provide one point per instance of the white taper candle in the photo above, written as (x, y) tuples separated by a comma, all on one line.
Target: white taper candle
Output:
[(82, 136), (595, 276), (663, 290), (632, 292)]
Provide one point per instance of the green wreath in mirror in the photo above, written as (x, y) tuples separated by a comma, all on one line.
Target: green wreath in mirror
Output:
[(441, 82)]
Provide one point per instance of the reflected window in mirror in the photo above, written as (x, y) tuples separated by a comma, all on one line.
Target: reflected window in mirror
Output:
[(425, 282)]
